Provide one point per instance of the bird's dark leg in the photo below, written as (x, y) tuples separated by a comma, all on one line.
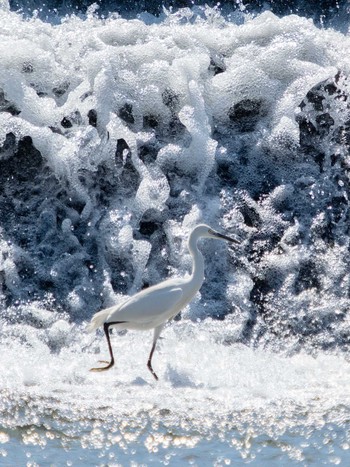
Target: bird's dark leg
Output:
[(149, 363), (157, 332), (111, 363)]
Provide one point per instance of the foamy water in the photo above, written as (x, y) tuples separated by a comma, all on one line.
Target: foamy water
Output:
[(118, 136), (214, 403)]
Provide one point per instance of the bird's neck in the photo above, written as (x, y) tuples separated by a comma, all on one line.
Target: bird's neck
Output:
[(197, 276)]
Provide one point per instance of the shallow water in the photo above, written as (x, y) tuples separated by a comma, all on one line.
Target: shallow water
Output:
[(213, 405), (117, 137)]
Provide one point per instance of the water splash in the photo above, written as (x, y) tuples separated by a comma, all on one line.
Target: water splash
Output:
[(117, 137)]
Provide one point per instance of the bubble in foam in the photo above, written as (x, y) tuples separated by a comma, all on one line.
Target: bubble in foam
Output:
[(58, 334), (153, 191), (75, 301), (12, 279), (125, 237), (284, 137), (230, 88), (199, 157), (141, 250)]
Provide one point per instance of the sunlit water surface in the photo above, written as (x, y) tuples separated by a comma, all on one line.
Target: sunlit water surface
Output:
[(214, 404)]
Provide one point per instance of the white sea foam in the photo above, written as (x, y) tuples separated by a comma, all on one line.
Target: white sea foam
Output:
[(134, 121), (207, 388), (162, 72)]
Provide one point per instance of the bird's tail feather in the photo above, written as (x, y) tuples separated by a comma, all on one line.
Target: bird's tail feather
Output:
[(98, 319)]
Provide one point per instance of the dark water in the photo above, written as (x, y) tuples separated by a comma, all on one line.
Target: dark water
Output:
[(322, 12)]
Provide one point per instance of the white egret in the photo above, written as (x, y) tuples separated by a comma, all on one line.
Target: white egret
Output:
[(153, 307)]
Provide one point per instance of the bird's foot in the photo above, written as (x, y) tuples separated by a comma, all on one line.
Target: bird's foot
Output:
[(152, 371), (103, 368)]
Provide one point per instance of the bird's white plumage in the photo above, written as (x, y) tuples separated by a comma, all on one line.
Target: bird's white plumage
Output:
[(153, 307), (148, 308)]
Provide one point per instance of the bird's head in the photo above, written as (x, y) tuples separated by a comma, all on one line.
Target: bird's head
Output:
[(204, 230)]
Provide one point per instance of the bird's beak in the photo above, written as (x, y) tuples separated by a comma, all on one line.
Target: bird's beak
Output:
[(224, 237)]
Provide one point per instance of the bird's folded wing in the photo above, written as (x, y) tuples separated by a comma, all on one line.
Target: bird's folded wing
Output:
[(150, 304)]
